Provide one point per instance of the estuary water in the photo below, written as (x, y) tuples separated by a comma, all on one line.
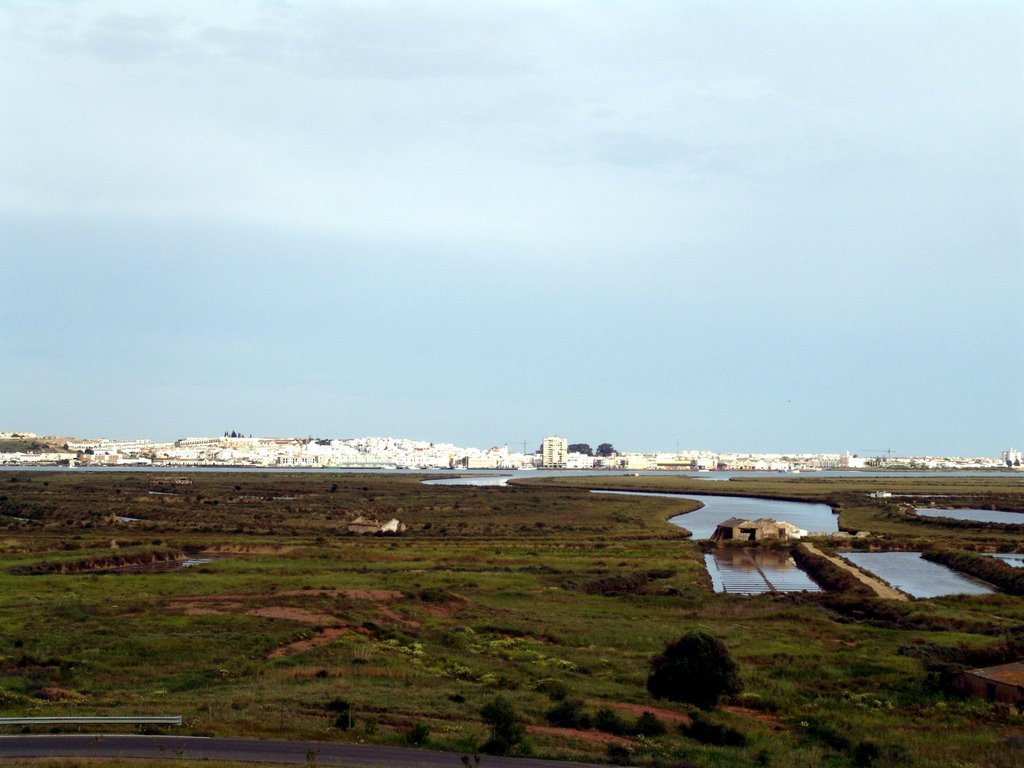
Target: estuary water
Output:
[(814, 518)]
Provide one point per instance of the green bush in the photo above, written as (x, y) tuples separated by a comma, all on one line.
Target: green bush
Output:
[(608, 720), (706, 731), (418, 735), (568, 714), (343, 713), (648, 724), (555, 689), (507, 732), (696, 669)]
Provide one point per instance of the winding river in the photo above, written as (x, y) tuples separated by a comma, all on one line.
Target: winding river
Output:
[(814, 518)]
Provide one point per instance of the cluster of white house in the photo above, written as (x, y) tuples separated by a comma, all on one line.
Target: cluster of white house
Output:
[(403, 453)]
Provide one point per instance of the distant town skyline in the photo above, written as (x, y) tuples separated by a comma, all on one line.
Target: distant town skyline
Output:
[(745, 226), (553, 448)]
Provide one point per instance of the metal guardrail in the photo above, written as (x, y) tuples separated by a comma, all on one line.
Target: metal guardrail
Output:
[(95, 720)]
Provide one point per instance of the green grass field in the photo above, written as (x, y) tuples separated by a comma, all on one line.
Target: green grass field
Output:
[(530, 592)]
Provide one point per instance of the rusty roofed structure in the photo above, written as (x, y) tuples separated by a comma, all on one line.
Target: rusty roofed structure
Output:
[(1003, 683)]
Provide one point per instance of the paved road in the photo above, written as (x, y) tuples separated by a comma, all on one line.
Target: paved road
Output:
[(252, 751)]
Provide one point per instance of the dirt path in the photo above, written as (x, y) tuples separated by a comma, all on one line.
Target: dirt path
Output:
[(880, 588)]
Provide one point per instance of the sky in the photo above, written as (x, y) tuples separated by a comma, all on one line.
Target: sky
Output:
[(745, 226)]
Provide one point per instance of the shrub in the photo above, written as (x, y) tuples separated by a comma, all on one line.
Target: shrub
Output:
[(866, 753), (611, 586), (555, 689), (648, 724), (619, 755), (506, 730), (708, 732), (568, 714), (696, 669), (343, 711), (608, 720), (418, 735)]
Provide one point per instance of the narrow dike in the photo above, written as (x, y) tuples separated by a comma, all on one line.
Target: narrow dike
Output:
[(880, 588)]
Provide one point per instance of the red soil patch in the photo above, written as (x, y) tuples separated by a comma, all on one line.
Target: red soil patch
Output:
[(288, 613), (320, 638), (635, 710), (203, 607), (594, 737), (448, 609), (371, 594), (195, 610)]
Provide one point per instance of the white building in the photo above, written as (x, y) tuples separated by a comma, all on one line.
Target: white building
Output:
[(554, 451), (579, 461)]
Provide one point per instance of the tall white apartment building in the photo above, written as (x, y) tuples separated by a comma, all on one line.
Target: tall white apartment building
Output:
[(554, 451)]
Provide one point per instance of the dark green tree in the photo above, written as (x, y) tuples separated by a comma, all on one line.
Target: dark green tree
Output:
[(581, 448), (605, 449), (696, 669)]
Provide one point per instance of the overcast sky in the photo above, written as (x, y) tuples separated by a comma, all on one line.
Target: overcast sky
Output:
[(761, 226)]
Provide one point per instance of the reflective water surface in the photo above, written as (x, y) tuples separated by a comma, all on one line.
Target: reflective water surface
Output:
[(1014, 560), (702, 522), (979, 515), (909, 572), (751, 571)]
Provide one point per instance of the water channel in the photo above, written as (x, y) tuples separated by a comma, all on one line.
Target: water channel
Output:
[(814, 518), (974, 515), (910, 573), (1014, 560)]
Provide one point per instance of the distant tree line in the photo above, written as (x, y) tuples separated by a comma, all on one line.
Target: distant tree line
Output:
[(604, 449)]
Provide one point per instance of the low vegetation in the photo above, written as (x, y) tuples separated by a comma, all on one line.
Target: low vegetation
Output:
[(539, 598)]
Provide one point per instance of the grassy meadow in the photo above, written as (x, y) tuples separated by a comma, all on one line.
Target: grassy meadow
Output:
[(539, 592)]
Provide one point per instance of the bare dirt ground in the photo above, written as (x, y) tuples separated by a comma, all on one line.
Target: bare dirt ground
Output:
[(880, 588), (320, 638)]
